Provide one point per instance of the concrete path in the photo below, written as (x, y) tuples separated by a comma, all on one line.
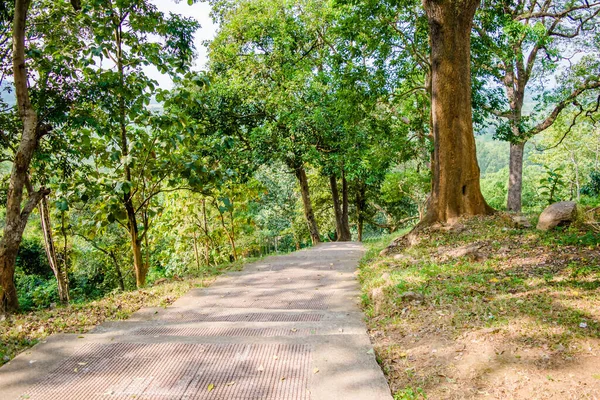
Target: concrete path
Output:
[(286, 328)]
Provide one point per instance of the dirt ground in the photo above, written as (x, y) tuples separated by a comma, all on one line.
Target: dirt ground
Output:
[(517, 319)]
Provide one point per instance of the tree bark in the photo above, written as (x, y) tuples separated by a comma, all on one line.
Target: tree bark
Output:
[(346, 235), (196, 254), (361, 202), (206, 233), (515, 92), (118, 270), (136, 242), (59, 273), (337, 210), (455, 189), (515, 178), (308, 210), (16, 215), (232, 230)]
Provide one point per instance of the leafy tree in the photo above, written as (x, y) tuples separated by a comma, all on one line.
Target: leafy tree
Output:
[(133, 157), (519, 44), (33, 128), (456, 189)]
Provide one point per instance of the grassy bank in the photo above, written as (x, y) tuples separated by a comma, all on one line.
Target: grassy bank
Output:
[(21, 331), (517, 317)]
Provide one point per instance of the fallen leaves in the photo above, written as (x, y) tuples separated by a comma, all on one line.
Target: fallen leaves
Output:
[(21, 331)]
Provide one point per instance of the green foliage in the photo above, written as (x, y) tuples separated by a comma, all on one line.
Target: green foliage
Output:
[(410, 394), (203, 173), (32, 259), (551, 183), (36, 291), (592, 188)]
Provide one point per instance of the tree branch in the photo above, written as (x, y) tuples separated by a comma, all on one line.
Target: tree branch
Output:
[(546, 123)]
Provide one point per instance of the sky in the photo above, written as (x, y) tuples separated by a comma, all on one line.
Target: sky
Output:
[(199, 11)]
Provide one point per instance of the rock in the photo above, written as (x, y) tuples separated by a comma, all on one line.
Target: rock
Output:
[(385, 251), (385, 276), (377, 298), (455, 228), (470, 250), (404, 257), (520, 222), (399, 244), (503, 251), (412, 296), (556, 214)]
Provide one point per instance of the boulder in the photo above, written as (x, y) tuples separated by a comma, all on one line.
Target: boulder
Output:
[(556, 214)]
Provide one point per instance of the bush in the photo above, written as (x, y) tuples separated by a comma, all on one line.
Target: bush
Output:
[(32, 259), (35, 292), (592, 188)]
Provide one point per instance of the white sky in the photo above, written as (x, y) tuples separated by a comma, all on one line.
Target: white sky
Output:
[(199, 11)]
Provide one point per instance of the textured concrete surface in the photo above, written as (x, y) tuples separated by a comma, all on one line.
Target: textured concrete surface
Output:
[(286, 328)]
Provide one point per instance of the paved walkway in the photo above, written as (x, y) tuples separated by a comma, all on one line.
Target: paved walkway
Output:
[(286, 328)]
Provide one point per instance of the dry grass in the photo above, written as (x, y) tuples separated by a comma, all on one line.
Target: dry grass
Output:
[(521, 321), (21, 331)]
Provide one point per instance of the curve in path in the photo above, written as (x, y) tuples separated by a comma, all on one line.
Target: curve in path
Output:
[(286, 328)]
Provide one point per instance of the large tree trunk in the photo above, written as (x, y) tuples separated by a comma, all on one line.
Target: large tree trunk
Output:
[(136, 241), (196, 254), (361, 203), (60, 273), (308, 210), (515, 92), (141, 269), (16, 217), (455, 190), (337, 209), (206, 233), (118, 270), (515, 178), (346, 236), (232, 232)]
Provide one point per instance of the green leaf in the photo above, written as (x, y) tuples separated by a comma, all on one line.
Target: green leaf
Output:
[(62, 204)]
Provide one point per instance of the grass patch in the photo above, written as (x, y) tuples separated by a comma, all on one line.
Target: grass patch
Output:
[(21, 331), (527, 289)]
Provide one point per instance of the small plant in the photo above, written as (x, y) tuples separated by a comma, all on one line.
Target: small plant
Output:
[(583, 270), (553, 181), (410, 394)]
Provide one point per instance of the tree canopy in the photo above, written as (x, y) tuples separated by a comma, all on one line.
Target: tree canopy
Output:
[(312, 121)]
